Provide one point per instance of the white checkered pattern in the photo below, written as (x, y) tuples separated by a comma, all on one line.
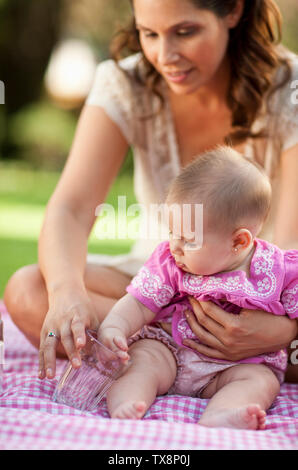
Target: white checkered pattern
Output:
[(29, 419)]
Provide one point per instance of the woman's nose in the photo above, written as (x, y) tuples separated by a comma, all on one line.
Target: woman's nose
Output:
[(167, 52)]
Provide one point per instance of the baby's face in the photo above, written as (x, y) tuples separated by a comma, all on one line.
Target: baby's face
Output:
[(213, 255)]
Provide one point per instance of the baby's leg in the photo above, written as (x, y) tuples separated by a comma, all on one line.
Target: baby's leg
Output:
[(239, 397), (152, 372)]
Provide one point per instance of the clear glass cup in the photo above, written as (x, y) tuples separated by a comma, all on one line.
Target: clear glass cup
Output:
[(84, 388)]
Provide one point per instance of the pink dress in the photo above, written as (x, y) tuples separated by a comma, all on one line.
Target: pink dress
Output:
[(272, 286)]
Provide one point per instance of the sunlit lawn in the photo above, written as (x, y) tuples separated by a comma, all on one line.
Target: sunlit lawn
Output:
[(23, 197)]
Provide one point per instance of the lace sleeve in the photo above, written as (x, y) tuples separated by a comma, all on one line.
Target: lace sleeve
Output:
[(112, 91), (154, 286), (288, 120)]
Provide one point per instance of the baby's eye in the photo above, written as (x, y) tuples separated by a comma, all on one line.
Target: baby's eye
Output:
[(174, 237), (191, 246)]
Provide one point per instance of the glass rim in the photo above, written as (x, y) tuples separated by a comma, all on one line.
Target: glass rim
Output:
[(91, 334)]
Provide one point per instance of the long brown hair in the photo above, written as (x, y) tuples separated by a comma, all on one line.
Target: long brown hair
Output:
[(254, 59)]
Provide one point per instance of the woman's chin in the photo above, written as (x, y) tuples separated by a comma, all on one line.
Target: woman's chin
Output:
[(184, 90)]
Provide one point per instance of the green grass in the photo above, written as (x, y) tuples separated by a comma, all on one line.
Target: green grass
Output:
[(24, 194)]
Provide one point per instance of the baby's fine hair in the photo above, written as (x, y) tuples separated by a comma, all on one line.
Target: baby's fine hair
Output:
[(235, 191)]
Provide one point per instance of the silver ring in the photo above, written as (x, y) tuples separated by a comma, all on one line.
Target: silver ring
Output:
[(52, 335)]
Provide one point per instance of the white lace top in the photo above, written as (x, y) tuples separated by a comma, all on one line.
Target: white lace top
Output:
[(154, 141)]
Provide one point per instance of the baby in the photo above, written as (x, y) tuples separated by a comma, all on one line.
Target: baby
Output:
[(232, 268)]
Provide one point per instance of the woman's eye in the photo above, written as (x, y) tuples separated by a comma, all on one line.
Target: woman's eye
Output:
[(180, 32), (185, 32), (150, 35)]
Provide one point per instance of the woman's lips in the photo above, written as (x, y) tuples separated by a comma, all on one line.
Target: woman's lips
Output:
[(178, 77)]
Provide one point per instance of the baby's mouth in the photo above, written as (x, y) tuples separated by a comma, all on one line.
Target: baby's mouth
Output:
[(181, 265)]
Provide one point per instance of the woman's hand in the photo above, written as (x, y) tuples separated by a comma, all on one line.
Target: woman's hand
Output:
[(235, 337), (70, 313)]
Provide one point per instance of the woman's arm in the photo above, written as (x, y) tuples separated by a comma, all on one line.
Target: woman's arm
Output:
[(286, 220), (96, 155), (286, 224)]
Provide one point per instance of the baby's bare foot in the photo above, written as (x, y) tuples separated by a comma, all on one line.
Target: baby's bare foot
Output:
[(129, 410), (247, 417)]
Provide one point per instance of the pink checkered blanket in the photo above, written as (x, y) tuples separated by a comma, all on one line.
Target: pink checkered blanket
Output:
[(29, 419)]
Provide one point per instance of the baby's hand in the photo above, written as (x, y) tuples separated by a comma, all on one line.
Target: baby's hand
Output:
[(115, 340)]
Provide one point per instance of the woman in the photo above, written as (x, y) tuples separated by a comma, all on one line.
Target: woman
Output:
[(206, 72)]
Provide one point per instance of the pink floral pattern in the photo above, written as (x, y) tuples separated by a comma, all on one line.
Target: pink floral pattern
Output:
[(151, 286), (263, 285), (290, 300), (185, 330)]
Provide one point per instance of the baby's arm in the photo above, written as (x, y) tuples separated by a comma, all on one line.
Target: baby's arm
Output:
[(126, 317)]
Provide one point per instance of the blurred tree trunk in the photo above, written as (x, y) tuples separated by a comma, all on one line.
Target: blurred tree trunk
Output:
[(28, 31)]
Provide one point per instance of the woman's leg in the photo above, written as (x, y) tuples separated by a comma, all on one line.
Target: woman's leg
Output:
[(292, 374), (26, 296), (240, 396), (152, 372)]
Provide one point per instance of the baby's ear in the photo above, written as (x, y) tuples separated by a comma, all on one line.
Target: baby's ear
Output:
[(242, 238)]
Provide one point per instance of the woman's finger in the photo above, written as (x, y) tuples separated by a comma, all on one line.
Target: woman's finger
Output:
[(67, 341), (201, 333), (211, 310), (78, 331), (41, 371), (203, 349), (49, 354), (199, 316)]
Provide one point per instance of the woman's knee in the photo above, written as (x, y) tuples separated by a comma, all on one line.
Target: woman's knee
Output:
[(106, 281), (22, 288)]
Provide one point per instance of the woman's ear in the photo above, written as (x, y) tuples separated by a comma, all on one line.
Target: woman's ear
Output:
[(242, 239), (233, 18)]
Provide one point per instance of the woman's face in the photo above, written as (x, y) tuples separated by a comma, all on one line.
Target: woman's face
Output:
[(186, 45)]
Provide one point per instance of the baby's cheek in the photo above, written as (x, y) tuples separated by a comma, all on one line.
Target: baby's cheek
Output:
[(195, 255), (201, 266), (193, 262)]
